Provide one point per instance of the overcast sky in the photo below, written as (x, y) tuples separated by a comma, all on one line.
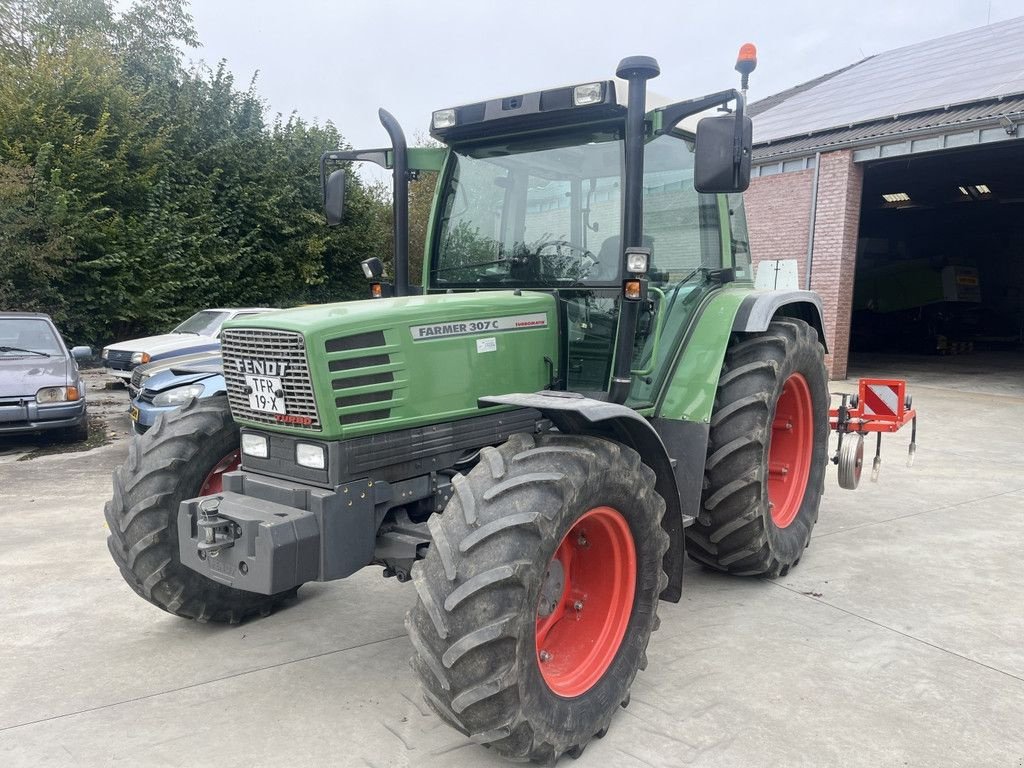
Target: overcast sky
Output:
[(340, 60)]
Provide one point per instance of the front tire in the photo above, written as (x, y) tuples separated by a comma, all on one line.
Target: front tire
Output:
[(181, 457), (525, 656), (767, 453)]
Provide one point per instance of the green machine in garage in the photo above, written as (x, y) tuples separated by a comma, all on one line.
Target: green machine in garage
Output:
[(584, 388)]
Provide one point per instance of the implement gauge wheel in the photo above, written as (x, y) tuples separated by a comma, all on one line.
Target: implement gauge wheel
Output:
[(539, 594), (767, 453), (184, 455)]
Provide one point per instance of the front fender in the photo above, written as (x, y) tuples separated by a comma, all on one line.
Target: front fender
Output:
[(574, 414)]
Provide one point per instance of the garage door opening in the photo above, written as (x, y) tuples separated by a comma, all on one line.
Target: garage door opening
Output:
[(940, 257)]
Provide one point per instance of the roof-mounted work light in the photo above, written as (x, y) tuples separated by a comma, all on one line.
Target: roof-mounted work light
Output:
[(443, 118), (589, 93)]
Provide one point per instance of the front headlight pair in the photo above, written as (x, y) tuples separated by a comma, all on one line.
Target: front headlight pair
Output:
[(309, 455), (178, 395), (48, 395)]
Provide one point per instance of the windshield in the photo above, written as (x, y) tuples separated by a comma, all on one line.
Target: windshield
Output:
[(547, 213), (536, 212), (23, 336), (205, 323)]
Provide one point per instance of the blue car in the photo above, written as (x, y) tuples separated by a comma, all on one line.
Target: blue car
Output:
[(172, 387)]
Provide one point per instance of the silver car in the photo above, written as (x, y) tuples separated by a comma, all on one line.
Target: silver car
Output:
[(40, 387)]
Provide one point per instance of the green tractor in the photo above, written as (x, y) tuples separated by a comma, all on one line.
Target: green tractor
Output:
[(585, 388)]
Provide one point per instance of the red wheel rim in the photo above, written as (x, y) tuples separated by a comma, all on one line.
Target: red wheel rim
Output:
[(789, 453), (582, 626), (214, 482)]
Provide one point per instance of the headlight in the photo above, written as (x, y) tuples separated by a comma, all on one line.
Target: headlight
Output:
[(309, 455), (254, 445), (52, 395), (140, 357), (636, 262), (178, 395), (105, 354)]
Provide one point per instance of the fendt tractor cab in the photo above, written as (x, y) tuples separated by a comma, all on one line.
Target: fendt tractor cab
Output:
[(584, 387)]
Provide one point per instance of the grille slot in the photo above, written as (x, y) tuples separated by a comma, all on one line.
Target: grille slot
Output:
[(239, 344), (368, 345), (356, 341), (358, 362)]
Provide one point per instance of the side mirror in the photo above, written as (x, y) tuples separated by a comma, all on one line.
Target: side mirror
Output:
[(334, 197), (82, 352), (716, 167)]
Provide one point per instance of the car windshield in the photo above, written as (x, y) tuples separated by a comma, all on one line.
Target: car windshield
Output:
[(25, 336), (205, 323)]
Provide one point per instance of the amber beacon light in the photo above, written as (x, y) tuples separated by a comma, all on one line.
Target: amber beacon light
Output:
[(746, 62)]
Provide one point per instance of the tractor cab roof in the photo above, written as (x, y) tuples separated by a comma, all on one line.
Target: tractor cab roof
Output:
[(597, 102)]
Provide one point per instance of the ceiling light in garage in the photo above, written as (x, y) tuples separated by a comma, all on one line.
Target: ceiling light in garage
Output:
[(975, 191), (896, 197)]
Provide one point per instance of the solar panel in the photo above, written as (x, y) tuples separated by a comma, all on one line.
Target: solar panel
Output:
[(981, 63)]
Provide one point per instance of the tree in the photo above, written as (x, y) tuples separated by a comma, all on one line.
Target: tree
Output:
[(137, 190)]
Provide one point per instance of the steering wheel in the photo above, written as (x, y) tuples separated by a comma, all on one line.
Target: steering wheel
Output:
[(585, 259)]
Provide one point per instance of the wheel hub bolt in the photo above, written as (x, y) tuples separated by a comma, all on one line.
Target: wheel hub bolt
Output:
[(578, 605), (545, 656), (582, 541)]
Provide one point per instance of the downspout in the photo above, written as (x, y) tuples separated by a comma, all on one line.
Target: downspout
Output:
[(814, 215)]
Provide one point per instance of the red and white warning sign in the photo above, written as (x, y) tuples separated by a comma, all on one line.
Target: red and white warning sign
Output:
[(881, 399)]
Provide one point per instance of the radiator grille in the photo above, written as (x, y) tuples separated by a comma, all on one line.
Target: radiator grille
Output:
[(240, 344), (137, 375)]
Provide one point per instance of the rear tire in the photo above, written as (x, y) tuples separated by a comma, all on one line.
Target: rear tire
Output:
[(767, 453), (181, 456), (475, 626)]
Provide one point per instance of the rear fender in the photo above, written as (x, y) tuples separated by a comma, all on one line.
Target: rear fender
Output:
[(574, 414), (759, 308)]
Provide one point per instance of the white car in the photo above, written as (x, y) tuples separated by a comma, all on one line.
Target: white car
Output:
[(200, 333)]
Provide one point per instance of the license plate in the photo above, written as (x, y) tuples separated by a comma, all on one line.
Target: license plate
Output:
[(134, 413), (264, 393)]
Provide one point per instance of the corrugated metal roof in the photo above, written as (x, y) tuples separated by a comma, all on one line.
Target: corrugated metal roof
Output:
[(979, 64), (939, 120)]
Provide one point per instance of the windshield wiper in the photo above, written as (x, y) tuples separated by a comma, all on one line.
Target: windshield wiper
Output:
[(703, 271), (471, 266), (30, 351)]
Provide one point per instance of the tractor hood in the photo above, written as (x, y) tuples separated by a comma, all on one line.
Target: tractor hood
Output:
[(379, 365)]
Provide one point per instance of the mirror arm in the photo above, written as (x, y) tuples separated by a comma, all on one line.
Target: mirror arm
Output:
[(737, 141), (378, 156), (673, 114)]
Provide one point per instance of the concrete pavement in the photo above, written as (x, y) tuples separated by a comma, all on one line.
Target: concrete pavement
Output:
[(899, 639)]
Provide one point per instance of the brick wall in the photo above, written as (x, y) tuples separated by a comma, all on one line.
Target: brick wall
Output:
[(835, 250), (778, 217), (778, 213)]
